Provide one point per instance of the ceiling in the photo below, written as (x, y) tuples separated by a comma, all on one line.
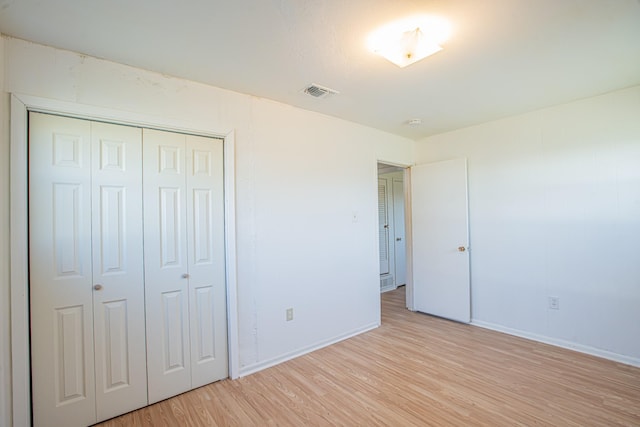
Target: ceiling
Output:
[(504, 57)]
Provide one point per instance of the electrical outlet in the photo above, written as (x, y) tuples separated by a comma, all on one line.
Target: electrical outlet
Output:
[(289, 314), (554, 303)]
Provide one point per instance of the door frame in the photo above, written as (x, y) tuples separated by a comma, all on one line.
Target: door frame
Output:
[(407, 227), (21, 105)]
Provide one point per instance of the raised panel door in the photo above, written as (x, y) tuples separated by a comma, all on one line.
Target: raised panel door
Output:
[(166, 265), (62, 354), (206, 259), (118, 271)]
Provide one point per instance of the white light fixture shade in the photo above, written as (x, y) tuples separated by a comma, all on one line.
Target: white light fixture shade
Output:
[(411, 47), (408, 41)]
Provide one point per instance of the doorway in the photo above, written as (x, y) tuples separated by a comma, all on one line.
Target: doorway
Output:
[(435, 195), (391, 227)]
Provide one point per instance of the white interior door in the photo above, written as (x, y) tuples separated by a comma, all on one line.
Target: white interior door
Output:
[(60, 276), (166, 265), (383, 227), (86, 273), (118, 296), (400, 251), (440, 239), (184, 262), (206, 266)]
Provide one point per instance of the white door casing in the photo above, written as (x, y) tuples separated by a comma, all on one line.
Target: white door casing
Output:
[(441, 283)]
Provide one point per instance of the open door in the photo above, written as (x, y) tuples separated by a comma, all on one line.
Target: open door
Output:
[(440, 236)]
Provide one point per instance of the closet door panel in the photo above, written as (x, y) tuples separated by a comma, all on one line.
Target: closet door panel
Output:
[(206, 263), (166, 269), (383, 227), (118, 271), (60, 286)]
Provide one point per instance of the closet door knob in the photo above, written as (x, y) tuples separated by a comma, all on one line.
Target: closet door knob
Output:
[(97, 287), (185, 276), (461, 248)]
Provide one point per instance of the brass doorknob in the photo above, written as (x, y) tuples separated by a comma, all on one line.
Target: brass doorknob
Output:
[(461, 249), (97, 287), (185, 276)]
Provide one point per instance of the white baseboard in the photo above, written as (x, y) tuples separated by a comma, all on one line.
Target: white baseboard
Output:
[(253, 368), (627, 360), (633, 361)]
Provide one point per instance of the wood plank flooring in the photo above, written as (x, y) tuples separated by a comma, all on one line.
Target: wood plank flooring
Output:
[(415, 370)]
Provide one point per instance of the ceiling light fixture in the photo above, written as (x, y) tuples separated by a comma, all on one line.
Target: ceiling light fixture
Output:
[(410, 40)]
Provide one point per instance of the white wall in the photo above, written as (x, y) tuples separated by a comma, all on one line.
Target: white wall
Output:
[(554, 199), (300, 176)]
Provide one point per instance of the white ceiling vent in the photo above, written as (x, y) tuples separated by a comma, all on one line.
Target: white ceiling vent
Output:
[(318, 91)]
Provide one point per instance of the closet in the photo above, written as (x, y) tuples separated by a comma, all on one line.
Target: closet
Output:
[(127, 282)]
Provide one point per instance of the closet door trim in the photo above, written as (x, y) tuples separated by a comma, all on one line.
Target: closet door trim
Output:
[(19, 302)]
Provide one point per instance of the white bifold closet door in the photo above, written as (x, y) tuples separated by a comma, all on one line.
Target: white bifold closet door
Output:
[(127, 279), (184, 262), (86, 272)]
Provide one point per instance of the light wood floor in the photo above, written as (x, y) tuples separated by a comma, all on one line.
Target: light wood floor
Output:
[(416, 370)]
